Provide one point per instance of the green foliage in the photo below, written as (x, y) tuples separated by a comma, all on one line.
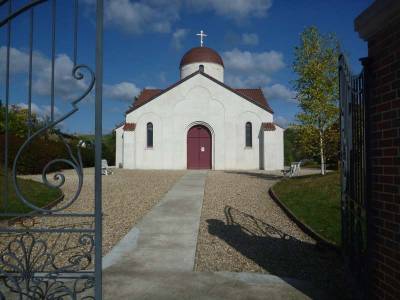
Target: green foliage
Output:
[(18, 121), (41, 151), (315, 200), (332, 146), (317, 92), (46, 147), (108, 146), (292, 153)]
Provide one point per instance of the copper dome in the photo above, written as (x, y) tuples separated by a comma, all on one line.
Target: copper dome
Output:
[(201, 54)]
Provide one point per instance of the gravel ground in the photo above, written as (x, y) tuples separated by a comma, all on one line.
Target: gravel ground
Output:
[(127, 196), (243, 230)]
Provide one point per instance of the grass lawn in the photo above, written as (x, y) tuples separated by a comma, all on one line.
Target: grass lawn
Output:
[(38, 193), (315, 200)]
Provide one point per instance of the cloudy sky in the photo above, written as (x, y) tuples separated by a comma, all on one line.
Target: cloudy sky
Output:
[(145, 40)]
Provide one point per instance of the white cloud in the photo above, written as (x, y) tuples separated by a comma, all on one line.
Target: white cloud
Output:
[(19, 61), (237, 9), (178, 36), (250, 39), (66, 86), (252, 62), (251, 69), (280, 92), (160, 15), (46, 110), (140, 16), (125, 91), (34, 107), (42, 111), (256, 80), (233, 39)]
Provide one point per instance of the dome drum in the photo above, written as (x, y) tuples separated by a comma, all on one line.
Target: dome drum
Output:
[(202, 58)]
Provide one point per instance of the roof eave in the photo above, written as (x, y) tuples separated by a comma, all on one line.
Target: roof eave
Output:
[(119, 125)]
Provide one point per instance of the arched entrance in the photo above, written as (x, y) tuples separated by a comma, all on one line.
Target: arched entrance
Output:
[(199, 147)]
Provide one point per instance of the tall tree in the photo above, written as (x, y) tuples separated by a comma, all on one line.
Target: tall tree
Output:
[(315, 64)]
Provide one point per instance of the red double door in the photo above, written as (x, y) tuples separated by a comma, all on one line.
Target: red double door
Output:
[(199, 148)]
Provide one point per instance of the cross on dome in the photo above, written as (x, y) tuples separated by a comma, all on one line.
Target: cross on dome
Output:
[(202, 36)]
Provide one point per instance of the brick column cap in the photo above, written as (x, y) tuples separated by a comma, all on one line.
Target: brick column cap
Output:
[(376, 17)]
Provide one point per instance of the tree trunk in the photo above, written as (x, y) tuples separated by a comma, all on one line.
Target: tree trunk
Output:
[(321, 149)]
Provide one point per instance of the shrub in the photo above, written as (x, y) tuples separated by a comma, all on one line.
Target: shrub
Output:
[(41, 151)]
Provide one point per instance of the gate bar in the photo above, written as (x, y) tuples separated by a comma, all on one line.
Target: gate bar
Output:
[(98, 136)]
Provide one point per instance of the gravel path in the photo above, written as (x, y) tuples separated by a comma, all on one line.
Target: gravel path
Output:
[(243, 230)]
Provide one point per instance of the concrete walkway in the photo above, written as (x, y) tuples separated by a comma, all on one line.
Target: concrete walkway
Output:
[(165, 239), (155, 260)]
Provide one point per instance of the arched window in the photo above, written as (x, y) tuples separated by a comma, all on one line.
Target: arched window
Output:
[(249, 139), (149, 135)]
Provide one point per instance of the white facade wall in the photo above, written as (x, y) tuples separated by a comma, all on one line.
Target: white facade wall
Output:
[(200, 101), (274, 149), (212, 69), (129, 158), (119, 149)]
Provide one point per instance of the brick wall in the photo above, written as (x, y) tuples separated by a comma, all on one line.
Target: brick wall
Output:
[(383, 160)]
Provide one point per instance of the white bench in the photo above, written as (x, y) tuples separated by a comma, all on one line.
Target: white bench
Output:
[(294, 169), (105, 169)]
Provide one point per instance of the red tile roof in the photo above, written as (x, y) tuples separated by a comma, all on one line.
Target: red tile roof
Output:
[(129, 127), (253, 95), (146, 95), (269, 126)]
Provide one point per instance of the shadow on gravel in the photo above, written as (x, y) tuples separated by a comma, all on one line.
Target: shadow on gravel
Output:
[(256, 174), (281, 254)]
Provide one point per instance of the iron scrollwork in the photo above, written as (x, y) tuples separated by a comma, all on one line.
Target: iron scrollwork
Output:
[(74, 162), (29, 268), (37, 260)]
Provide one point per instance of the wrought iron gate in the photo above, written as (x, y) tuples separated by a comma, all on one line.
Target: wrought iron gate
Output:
[(52, 250), (353, 168)]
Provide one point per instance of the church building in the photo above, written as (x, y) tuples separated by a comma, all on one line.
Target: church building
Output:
[(199, 122)]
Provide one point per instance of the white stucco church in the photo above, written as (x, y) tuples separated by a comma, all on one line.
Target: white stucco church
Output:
[(199, 122)]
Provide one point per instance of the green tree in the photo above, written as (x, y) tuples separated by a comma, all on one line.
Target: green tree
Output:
[(292, 152), (315, 64), (18, 121)]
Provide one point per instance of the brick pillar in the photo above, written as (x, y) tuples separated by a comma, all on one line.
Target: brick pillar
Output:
[(380, 26)]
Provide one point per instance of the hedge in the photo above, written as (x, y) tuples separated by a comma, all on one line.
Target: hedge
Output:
[(41, 151)]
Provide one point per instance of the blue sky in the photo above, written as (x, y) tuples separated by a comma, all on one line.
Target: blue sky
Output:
[(145, 40)]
